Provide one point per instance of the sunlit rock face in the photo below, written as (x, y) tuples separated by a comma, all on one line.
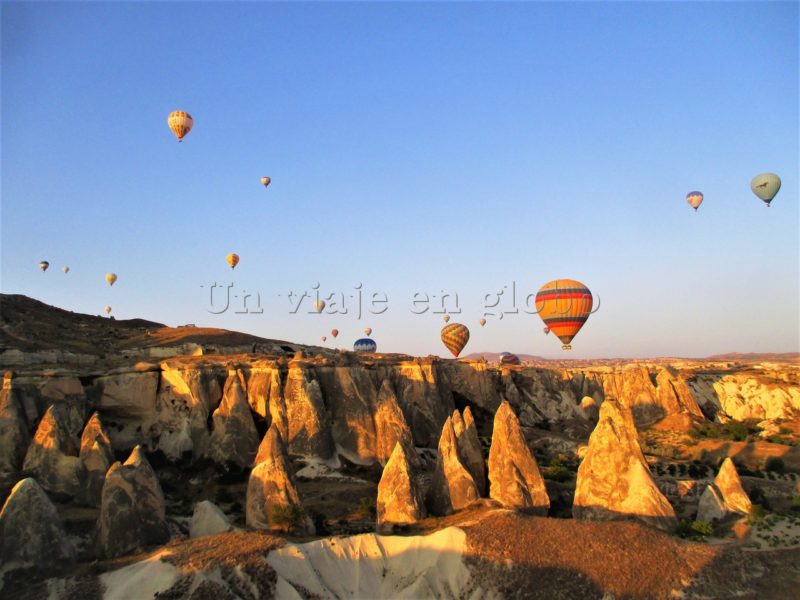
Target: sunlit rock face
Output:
[(614, 481), (724, 497), (14, 436), (234, 439), (96, 457), (390, 423), (52, 456), (469, 447), (127, 401), (309, 424), (453, 487), (514, 476), (753, 394), (400, 498)]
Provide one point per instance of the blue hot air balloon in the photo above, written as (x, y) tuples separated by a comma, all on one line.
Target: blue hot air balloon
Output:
[(506, 358), (365, 345)]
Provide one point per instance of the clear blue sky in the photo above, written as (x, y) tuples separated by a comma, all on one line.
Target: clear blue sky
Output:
[(413, 148)]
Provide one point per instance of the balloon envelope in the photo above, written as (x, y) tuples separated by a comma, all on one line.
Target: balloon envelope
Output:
[(365, 345), (319, 305), (564, 305), (546, 330), (233, 260), (265, 181), (506, 358), (107, 309), (446, 318), (43, 265), (455, 336), (324, 338), (694, 199), (765, 186), (111, 278), (367, 330), (181, 123), (482, 322), (334, 332), (65, 269)]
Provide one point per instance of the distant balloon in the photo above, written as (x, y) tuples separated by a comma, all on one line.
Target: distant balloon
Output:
[(233, 260), (324, 338), (319, 305), (265, 181), (455, 336), (65, 269), (108, 310), (506, 358), (695, 199), (43, 265), (368, 330), (334, 333), (181, 123), (546, 330), (482, 322), (365, 346), (765, 186), (564, 305), (446, 318), (111, 278)]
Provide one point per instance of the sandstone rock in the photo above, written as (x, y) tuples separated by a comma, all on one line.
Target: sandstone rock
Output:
[(208, 519), (425, 402), (724, 497), (96, 457), (515, 480), (453, 487), (614, 480), (469, 447), (132, 511), (308, 420), (31, 532), (272, 484), (128, 400), (234, 440), (52, 457), (400, 499), (390, 423), (14, 436)]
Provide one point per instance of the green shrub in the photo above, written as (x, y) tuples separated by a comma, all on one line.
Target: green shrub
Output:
[(288, 516), (556, 473), (702, 528), (757, 512), (366, 506), (774, 464), (694, 530)]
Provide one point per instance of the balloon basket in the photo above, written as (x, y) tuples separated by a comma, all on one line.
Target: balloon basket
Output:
[(566, 347)]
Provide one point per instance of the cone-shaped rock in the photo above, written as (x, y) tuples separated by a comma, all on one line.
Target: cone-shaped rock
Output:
[(52, 457), (272, 485), (614, 481), (400, 497), (208, 519), (308, 420), (96, 457), (469, 447), (724, 497), (235, 438), (514, 476), (390, 424), (453, 487), (31, 532), (14, 436), (132, 512)]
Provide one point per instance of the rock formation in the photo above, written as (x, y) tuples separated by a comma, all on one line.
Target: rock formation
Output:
[(96, 457), (400, 499), (52, 456), (515, 480), (390, 424), (613, 479), (31, 532), (132, 511), (14, 437), (308, 421), (234, 440), (724, 497), (208, 519), (272, 499), (469, 447), (453, 488)]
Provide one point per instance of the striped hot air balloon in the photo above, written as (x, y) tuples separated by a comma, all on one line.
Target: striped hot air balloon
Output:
[(695, 199), (232, 259), (365, 346), (564, 305), (455, 336), (506, 358), (181, 123)]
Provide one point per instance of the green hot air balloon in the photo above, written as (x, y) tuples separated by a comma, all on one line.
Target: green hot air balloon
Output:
[(765, 186)]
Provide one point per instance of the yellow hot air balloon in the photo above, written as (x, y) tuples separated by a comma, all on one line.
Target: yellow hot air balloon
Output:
[(180, 122), (695, 199), (108, 310), (367, 330), (265, 181), (446, 318), (233, 260), (482, 322), (765, 186), (43, 265), (319, 305), (65, 269), (564, 305), (111, 278)]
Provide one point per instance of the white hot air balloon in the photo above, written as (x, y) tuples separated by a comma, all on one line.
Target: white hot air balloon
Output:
[(65, 269), (108, 310)]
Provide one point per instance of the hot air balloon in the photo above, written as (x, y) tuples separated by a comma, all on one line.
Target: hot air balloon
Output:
[(43, 265), (446, 318), (367, 330), (233, 260), (324, 338), (564, 305), (455, 336), (506, 358), (111, 278), (765, 186), (180, 122), (319, 305), (482, 322), (365, 346), (108, 310), (695, 199), (546, 330), (334, 333), (265, 181), (65, 269)]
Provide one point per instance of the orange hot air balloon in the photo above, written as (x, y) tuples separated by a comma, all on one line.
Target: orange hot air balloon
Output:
[(564, 305), (181, 123), (334, 332), (695, 199), (233, 260), (455, 336), (265, 181), (482, 322)]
